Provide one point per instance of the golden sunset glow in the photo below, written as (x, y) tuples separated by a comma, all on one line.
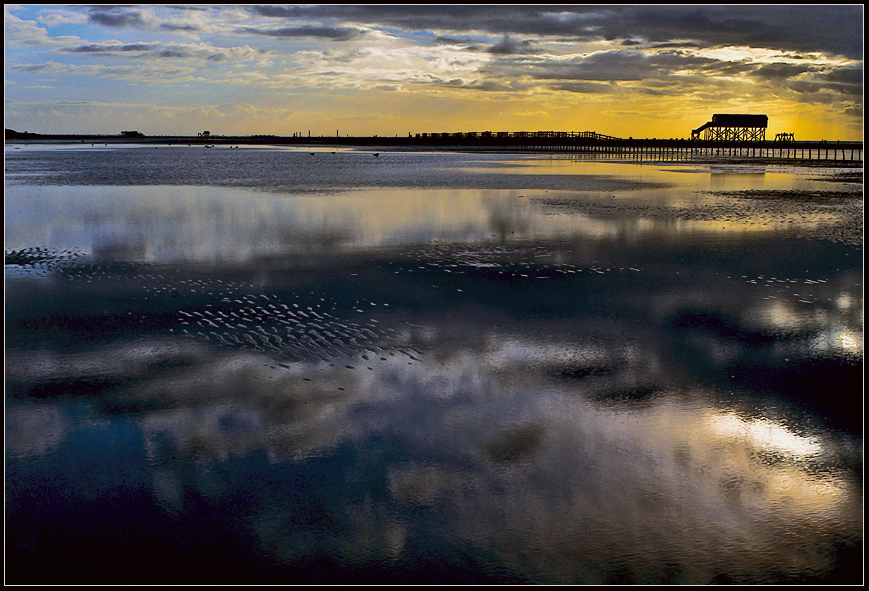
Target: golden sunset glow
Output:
[(626, 71)]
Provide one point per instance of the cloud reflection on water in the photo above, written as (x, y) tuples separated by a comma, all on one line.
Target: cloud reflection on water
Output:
[(553, 475), (214, 222), (502, 422), (548, 398)]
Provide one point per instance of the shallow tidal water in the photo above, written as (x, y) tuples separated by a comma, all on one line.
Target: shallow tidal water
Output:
[(271, 365)]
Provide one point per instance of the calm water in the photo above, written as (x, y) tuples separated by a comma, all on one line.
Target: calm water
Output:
[(268, 365)]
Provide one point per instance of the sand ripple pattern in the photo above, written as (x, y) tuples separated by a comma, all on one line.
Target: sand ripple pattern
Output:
[(287, 329), (511, 262), (40, 261), (285, 326)]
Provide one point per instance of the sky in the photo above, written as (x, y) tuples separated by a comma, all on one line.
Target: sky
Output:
[(361, 70)]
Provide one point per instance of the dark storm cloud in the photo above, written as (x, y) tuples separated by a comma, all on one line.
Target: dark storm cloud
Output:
[(115, 17), (162, 51), (628, 65), (611, 65), (831, 29), (333, 33), (440, 40), (482, 85), (804, 78), (778, 71), (668, 61), (852, 76), (171, 53), (829, 83), (93, 48), (625, 65), (280, 11), (674, 44), (654, 72), (509, 46), (174, 27), (585, 87)]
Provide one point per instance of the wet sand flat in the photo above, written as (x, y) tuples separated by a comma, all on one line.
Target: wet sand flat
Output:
[(270, 366)]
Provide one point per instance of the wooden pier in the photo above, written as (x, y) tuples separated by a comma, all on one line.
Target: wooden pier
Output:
[(665, 149), (590, 143)]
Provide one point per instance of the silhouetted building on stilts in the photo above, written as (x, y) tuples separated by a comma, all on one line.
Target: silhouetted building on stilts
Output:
[(723, 127)]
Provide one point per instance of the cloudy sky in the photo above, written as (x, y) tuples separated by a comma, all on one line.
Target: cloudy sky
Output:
[(640, 71)]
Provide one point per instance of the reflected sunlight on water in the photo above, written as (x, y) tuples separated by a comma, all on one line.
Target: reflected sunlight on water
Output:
[(251, 366), (765, 435)]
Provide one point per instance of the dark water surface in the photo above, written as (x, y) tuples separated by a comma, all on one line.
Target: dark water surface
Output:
[(264, 365)]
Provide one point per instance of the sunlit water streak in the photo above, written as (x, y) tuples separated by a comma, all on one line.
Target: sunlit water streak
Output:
[(262, 365)]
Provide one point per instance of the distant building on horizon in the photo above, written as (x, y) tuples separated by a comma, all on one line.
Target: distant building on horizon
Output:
[(740, 127)]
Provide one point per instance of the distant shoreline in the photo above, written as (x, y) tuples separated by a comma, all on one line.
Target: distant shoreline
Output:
[(674, 150)]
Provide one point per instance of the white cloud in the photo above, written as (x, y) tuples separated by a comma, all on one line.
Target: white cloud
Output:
[(61, 17), (18, 32)]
